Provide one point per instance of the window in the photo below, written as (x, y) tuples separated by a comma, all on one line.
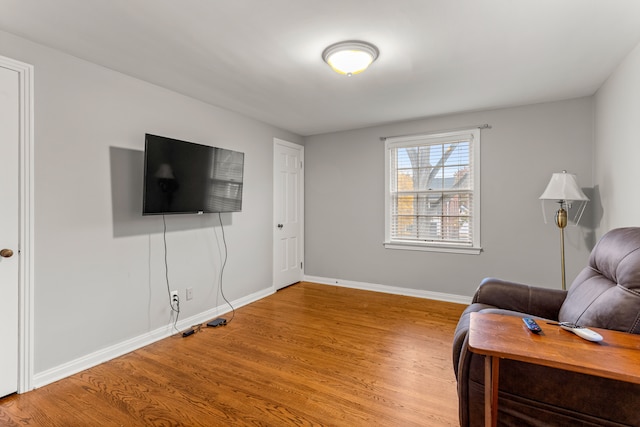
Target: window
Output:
[(432, 199)]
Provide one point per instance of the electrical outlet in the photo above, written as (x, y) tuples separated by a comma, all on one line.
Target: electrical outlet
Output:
[(174, 298), (189, 294)]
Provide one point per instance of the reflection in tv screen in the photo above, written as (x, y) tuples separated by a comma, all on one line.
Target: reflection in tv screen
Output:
[(184, 177)]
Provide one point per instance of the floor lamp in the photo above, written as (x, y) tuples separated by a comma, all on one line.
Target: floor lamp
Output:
[(564, 190)]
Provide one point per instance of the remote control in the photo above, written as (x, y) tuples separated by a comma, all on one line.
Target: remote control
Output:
[(532, 325), (581, 331)]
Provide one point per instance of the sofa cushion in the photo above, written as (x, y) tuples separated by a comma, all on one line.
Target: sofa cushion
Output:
[(606, 294)]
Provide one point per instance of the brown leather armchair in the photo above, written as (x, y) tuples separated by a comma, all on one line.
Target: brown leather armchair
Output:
[(606, 294)]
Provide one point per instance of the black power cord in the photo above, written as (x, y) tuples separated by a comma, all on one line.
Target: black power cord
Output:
[(175, 306), (220, 321)]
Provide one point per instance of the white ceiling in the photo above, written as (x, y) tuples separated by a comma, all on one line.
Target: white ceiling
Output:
[(262, 58)]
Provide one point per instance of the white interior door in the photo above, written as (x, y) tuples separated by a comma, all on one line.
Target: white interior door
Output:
[(288, 199), (9, 231)]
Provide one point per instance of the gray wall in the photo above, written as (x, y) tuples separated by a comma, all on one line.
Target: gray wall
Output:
[(617, 147), (344, 206), (99, 267), (92, 247)]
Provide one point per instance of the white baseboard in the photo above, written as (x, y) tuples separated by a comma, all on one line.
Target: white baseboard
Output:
[(49, 376), (439, 296)]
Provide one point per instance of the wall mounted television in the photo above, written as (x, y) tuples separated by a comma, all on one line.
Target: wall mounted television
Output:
[(183, 177)]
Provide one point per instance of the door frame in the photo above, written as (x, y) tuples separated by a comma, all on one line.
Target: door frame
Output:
[(26, 221), (278, 141)]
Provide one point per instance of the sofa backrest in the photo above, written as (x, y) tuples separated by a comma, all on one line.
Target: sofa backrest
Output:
[(606, 294)]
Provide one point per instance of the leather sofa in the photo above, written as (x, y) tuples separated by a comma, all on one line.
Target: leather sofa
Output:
[(606, 294)]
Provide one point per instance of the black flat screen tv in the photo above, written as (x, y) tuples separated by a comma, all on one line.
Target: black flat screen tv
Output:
[(182, 177)]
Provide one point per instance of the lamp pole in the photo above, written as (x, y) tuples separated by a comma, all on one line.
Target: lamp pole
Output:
[(561, 222)]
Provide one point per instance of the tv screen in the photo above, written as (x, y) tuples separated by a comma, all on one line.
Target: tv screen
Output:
[(184, 177)]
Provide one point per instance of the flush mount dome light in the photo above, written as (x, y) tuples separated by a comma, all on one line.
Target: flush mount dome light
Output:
[(350, 57)]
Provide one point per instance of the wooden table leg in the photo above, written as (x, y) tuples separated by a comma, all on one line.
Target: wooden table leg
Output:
[(491, 370)]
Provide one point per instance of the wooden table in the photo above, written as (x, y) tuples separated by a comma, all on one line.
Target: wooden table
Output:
[(498, 336)]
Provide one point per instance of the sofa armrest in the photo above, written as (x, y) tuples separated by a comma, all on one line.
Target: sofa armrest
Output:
[(536, 301)]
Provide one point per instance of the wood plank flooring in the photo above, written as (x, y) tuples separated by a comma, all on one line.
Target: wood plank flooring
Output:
[(309, 355)]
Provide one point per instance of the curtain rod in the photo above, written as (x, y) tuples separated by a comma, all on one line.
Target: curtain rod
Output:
[(482, 126)]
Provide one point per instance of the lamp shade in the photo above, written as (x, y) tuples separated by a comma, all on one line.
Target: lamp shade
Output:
[(563, 186), (165, 172)]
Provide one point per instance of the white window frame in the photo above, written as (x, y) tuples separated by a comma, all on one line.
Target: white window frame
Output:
[(435, 138)]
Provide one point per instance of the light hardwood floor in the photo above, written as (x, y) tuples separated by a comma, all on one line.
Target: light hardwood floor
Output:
[(309, 355)]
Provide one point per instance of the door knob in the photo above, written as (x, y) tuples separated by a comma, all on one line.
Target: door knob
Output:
[(6, 253), (280, 226)]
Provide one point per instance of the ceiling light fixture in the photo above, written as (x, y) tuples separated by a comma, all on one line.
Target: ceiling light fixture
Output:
[(350, 57)]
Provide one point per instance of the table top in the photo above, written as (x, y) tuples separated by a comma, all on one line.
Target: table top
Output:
[(617, 356)]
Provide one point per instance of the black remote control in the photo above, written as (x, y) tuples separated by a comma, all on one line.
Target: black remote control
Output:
[(532, 325)]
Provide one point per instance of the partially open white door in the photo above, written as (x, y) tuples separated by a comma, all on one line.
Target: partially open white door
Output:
[(288, 202), (9, 231), (16, 226)]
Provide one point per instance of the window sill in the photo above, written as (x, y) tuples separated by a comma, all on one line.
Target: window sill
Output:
[(433, 248)]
